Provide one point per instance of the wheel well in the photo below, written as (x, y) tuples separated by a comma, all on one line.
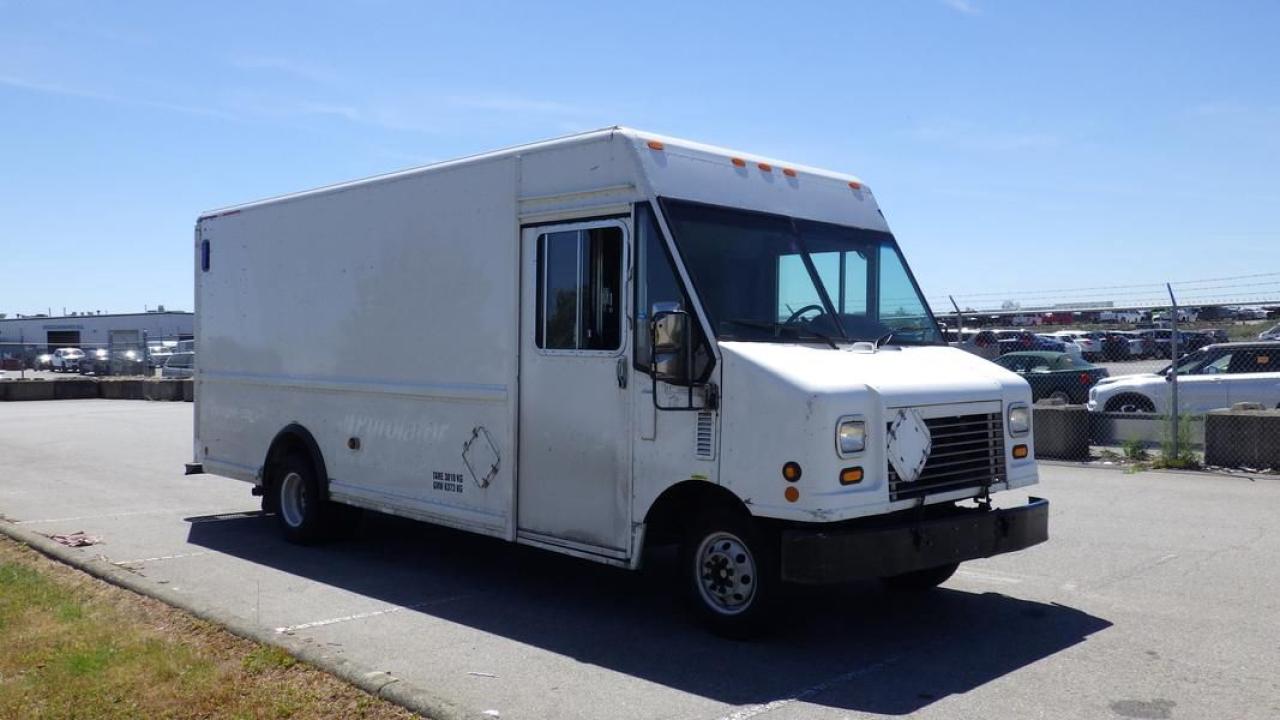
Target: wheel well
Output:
[(294, 438), (1114, 403), (679, 504)]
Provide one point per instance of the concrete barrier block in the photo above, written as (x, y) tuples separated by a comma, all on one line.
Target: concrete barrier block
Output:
[(168, 390), (120, 389), (20, 390), (1242, 438), (189, 390), (74, 389), (1061, 431)]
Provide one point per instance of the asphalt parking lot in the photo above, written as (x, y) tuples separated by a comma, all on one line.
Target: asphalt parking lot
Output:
[(1157, 596)]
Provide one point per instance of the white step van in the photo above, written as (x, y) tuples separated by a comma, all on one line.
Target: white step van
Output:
[(605, 341)]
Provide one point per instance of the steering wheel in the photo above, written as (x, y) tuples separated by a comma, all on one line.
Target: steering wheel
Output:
[(796, 315)]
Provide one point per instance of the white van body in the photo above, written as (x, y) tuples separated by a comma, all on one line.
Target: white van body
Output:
[(399, 328)]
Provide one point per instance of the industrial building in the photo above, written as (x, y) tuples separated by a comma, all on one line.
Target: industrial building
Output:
[(22, 337)]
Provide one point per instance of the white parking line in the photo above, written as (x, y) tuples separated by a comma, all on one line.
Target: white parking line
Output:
[(162, 557), (78, 518), (751, 711), (371, 613), (989, 576)]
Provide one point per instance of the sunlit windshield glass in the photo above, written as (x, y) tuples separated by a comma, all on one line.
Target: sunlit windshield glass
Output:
[(773, 278)]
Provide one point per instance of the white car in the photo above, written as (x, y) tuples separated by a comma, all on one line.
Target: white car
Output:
[(1069, 345), (66, 360), (1217, 376), (1090, 347), (1272, 334)]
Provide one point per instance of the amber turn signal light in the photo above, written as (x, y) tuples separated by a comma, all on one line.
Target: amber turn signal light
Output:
[(851, 476), (791, 471), (1019, 451), (791, 493)]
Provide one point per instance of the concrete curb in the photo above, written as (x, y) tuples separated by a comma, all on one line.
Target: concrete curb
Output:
[(377, 683)]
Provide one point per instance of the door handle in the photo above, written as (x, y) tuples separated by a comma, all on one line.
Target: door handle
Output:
[(622, 372)]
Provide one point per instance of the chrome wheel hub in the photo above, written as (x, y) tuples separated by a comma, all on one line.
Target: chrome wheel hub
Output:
[(726, 573), (293, 501)]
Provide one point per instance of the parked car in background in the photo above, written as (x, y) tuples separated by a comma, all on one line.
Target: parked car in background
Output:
[(1115, 347), (1090, 344), (1054, 375), (43, 361), (982, 343), (1184, 315), (1218, 335), (102, 362), (1216, 376), (179, 365), (1067, 345), (1163, 339), (66, 360), (1194, 340), (157, 355), (1020, 340), (1140, 346), (1272, 334)]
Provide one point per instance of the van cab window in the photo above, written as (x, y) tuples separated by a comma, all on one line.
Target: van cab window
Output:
[(580, 290)]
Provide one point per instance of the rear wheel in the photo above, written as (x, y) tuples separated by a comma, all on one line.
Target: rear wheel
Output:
[(730, 574), (920, 580), (302, 512)]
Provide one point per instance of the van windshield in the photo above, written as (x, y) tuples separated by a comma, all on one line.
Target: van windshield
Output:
[(772, 278)]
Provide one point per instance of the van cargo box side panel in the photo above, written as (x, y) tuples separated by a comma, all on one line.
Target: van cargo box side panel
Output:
[(384, 312)]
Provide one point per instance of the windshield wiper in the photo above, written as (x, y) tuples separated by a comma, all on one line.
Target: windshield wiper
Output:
[(777, 327), (885, 338)]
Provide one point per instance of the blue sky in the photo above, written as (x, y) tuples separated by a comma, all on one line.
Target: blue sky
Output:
[(1015, 147)]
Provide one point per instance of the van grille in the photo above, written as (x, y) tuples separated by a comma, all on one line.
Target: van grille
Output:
[(967, 451), (705, 436)]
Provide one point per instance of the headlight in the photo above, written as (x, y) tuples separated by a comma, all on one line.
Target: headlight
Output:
[(1019, 419), (851, 436)]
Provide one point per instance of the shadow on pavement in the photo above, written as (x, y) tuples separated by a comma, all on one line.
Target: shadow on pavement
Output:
[(851, 647)]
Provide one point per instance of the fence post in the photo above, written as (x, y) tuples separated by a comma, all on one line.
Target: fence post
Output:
[(1173, 370), (959, 318)]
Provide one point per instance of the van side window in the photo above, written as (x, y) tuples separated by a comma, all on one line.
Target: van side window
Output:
[(580, 290), (658, 287)]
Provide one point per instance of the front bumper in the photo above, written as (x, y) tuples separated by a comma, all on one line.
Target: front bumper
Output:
[(814, 556)]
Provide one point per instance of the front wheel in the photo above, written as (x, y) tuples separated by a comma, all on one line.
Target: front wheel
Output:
[(730, 574), (920, 580)]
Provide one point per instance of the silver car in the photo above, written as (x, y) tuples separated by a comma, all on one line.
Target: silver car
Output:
[(179, 365)]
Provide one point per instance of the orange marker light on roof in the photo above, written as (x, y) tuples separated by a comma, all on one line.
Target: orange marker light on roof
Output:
[(765, 167), (854, 184), (655, 145), (738, 162), (789, 172)]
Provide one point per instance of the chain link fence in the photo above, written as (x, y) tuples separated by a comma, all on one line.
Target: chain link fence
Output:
[(1158, 384)]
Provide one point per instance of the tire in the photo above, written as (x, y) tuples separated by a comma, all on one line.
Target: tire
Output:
[(920, 580), (730, 574), (1130, 404), (303, 514)]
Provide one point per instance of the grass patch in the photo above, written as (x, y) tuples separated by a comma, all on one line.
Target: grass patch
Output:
[(74, 647), (264, 658)]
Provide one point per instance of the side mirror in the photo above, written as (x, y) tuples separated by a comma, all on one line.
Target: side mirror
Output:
[(669, 334)]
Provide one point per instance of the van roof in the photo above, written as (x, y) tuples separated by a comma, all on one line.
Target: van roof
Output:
[(636, 136)]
